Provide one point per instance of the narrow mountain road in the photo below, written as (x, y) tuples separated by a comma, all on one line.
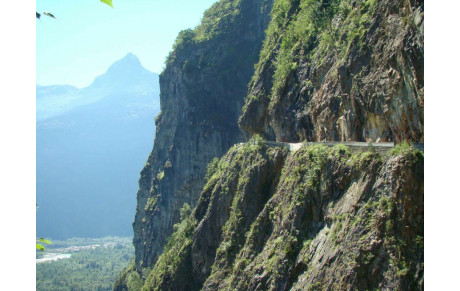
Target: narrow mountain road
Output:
[(380, 147)]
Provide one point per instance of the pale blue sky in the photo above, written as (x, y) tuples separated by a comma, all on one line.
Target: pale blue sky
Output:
[(88, 36)]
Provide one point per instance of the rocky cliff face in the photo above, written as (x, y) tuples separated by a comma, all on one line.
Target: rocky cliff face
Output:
[(267, 218), (316, 219), (340, 70), (202, 92)]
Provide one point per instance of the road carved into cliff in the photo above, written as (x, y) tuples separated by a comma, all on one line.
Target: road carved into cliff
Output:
[(381, 147)]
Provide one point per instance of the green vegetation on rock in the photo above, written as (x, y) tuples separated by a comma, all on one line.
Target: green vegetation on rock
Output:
[(406, 150), (305, 30), (317, 218), (275, 233), (328, 70), (174, 254)]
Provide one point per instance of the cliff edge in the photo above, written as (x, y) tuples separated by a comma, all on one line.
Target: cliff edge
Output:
[(266, 218)]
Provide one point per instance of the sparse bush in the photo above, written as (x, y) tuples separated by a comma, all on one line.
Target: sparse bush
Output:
[(185, 211), (371, 147), (160, 175), (256, 140), (341, 150), (211, 168), (407, 150)]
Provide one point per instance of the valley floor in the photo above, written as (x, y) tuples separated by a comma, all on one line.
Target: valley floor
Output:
[(82, 263)]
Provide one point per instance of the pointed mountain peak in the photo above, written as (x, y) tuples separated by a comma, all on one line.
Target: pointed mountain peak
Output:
[(130, 58), (124, 75), (128, 62)]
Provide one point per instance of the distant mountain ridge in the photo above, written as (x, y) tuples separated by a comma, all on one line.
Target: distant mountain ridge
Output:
[(44, 91), (126, 75), (91, 144)]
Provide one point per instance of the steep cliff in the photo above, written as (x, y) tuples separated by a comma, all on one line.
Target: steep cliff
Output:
[(202, 92), (340, 70), (271, 219), (316, 219)]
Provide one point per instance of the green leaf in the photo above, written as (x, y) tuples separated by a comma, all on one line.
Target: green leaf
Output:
[(44, 240), (40, 247), (108, 2), (49, 15)]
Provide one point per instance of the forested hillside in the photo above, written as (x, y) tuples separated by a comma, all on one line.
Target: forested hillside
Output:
[(93, 264)]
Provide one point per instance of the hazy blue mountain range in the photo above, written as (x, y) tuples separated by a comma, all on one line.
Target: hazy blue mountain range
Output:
[(126, 76), (91, 145)]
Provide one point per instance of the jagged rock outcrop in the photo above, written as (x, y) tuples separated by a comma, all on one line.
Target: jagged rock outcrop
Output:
[(202, 91), (340, 70), (316, 219)]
